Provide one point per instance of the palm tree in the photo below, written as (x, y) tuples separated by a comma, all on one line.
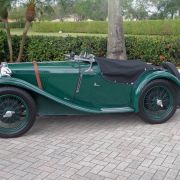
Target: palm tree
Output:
[(4, 5), (116, 40), (30, 16), (32, 6)]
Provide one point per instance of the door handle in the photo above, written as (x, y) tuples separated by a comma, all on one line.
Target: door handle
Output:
[(97, 85)]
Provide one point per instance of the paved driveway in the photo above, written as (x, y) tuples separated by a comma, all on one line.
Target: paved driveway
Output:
[(96, 147)]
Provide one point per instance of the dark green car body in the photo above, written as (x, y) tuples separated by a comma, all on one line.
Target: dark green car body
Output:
[(69, 89), (82, 87)]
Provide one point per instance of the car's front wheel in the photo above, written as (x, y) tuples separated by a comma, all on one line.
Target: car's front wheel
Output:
[(158, 102), (17, 112)]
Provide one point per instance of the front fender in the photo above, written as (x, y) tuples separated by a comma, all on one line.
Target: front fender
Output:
[(145, 79), (9, 81)]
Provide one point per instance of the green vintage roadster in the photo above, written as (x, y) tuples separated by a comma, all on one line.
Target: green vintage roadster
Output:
[(85, 85)]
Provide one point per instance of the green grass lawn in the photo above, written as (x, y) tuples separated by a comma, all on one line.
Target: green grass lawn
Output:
[(31, 33)]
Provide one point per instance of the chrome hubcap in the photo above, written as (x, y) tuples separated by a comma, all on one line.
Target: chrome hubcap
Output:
[(160, 103), (8, 114)]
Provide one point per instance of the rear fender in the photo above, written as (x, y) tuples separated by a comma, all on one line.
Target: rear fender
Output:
[(147, 78)]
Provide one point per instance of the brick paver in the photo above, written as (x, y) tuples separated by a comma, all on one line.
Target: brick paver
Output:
[(94, 147)]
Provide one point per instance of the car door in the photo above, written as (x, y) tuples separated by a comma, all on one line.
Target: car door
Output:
[(95, 91)]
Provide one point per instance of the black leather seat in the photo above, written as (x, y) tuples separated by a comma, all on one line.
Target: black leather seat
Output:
[(171, 68)]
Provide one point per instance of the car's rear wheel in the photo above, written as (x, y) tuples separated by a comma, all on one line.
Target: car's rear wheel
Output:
[(158, 102), (17, 112)]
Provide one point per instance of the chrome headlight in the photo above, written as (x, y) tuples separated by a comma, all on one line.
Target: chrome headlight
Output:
[(5, 71)]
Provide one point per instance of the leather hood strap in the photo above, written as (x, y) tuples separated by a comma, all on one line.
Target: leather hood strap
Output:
[(38, 79)]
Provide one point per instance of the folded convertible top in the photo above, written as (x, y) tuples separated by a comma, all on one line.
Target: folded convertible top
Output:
[(123, 71)]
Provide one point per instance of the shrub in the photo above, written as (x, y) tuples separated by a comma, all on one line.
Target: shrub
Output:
[(14, 25), (154, 49), (53, 48), (151, 49), (96, 27), (146, 27), (153, 27), (2, 46)]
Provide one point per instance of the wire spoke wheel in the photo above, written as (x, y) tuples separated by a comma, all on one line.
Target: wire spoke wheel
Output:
[(158, 102), (17, 112), (13, 113)]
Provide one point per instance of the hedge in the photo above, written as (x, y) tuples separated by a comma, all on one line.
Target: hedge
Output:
[(95, 27), (14, 25), (3, 54), (152, 49), (146, 27)]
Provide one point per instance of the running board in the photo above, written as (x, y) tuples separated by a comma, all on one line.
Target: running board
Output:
[(117, 110)]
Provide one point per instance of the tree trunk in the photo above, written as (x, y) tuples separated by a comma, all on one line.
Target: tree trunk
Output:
[(116, 40), (9, 40), (172, 14), (22, 44)]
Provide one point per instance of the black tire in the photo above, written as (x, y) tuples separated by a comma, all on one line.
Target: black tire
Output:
[(149, 109), (24, 112)]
